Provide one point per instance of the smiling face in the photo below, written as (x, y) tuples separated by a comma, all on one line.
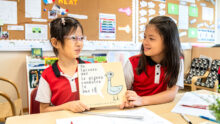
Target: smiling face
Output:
[(153, 42), (72, 47)]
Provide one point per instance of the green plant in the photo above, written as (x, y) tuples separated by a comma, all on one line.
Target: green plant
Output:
[(215, 107)]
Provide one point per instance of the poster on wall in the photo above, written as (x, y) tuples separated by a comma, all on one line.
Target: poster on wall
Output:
[(36, 32), (206, 35), (8, 14), (107, 26)]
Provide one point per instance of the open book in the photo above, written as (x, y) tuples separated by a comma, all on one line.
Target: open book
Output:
[(101, 84)]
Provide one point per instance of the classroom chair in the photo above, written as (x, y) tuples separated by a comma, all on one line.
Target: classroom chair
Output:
[(211, 81), (10, 107), (198, 69), (35, 105), (219, 74)]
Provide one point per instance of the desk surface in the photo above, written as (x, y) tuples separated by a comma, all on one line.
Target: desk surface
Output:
[(163, 110)]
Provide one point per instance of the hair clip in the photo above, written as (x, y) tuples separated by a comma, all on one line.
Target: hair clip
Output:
[(63, 21)]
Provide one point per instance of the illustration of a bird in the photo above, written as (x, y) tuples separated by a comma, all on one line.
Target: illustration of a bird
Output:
[(113, 90)]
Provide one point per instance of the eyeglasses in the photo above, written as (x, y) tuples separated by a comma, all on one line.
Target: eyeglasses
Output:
[(77, 38)]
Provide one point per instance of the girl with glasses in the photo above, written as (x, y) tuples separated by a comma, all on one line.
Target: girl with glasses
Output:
[(58, 88)]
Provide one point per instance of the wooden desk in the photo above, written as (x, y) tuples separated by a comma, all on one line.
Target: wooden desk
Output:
[(163, 110)]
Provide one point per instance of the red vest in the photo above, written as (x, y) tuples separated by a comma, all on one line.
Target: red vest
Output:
[(144, 85), (59, 85)]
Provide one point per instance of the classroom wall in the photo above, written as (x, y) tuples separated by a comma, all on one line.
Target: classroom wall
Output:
[(214, 52), (13, 67)]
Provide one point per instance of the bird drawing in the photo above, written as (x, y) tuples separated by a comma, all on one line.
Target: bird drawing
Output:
[(113, 90)]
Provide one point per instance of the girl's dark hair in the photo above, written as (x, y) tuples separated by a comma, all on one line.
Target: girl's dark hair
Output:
[(61, 27), (173, 52)]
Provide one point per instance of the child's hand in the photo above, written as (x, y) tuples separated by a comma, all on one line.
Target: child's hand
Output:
[(131, 100), (76, 106), (125, 103)]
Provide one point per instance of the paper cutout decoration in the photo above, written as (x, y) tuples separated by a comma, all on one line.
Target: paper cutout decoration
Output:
[(52, 14), (143, 20), (181, 34), (173, 9), (200, 25), (143, 4), (162, 5), (192, 33), (142, 28), (151, 5), (141, 35), (193, 11), (101, 84), (162, 12), (151, 12), (127, 29), (127, 11), (59, 10), (143, 12), (48, 1), (192, 21)]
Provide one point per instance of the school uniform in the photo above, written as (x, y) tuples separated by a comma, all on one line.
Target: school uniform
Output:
[(57, 88), (154, 83)]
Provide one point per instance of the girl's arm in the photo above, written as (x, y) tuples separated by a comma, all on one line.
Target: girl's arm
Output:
[(74, 106), (163, 97)]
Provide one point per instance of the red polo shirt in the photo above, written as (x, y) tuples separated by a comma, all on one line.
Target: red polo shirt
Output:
[(145, 85), (59, 85), (153, 82)]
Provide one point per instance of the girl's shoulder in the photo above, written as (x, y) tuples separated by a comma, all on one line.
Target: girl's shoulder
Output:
[(134, 59)]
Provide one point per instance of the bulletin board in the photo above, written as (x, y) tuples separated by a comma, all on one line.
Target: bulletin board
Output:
[(122, 9), (195, 18)]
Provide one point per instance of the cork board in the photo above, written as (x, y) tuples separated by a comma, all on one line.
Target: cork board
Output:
[(197, 25), (90, 8)]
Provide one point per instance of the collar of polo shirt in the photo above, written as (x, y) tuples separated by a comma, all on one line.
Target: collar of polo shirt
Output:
[(56, 69)]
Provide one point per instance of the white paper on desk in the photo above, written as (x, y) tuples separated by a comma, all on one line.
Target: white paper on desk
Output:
[(149, 118), (191, 99), (8, 12), (33, 8)]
